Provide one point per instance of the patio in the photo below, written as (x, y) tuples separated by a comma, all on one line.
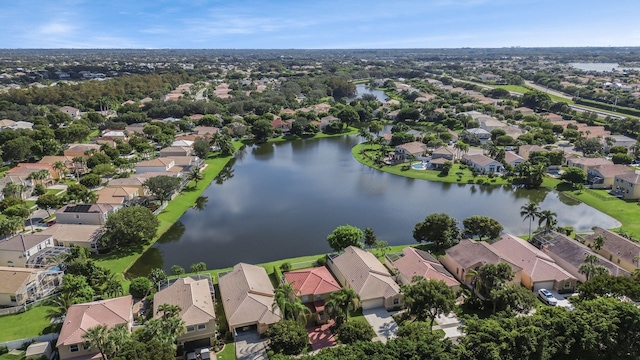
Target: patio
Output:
[(320, 336)]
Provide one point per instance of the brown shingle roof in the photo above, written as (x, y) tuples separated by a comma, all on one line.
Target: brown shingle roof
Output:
[(617, 245), (74, 232), (631, 177), (13, 279), (22, 242), (609, 171), (420, 263), (82, 317), (192, 296), (469, 254)]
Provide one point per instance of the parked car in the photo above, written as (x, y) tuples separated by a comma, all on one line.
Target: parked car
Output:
[(547, 297)]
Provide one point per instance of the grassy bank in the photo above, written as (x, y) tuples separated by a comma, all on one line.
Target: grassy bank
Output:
[(119, 264), (458, 174), (27, 324), (349, 131)]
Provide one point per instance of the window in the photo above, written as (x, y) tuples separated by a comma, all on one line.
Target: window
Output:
[(567, 285), (202, 326), (191, 328), (10, 264), (13, 298), (47, 242), (39, 247), (73, 348), (396, 301)]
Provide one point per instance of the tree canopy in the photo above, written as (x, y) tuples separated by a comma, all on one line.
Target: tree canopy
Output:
[(344, 236), (440, 229), (129, 228)]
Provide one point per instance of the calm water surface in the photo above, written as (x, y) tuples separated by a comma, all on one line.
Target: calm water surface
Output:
[(282, 200), (362, 89)]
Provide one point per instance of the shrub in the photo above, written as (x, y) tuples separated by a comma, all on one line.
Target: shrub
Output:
[(322, 261), (140, 287), (3, 350), (480, 181), (288, 337), (285, 267), (351, 332)]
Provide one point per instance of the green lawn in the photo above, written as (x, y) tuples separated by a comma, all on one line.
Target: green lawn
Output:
[(514, 88), (456, 175), (12, 357), (93, 134), (228, 353), (175, 209), (54, 191), (27, 324)]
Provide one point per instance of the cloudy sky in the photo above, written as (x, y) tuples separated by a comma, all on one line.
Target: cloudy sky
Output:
[(311, 24)]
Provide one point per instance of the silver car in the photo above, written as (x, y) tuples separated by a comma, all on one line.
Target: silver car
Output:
[(547, 297)]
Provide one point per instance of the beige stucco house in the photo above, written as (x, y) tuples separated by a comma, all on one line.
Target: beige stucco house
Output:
[(16, 250), (314, 288), (617, 249), (413, 262)]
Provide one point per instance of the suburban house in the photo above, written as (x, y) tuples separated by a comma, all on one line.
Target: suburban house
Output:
[(69, 235), (482, 164), (616, 248), (279, 124), (405, 151), (525, 151), (16, 250), (117, 195), (512, 158), (471, 255), (75, 150), (136, 128), (539, 270), (413, 262), (205, 130), (155, 165), (134, 181), (586, 163), (326, 121), (24, 170), (84, 214), (361, 271), (114, 135), (475, 136), (443, 152), (175, 151), (82, 317), (314, 287), (51, 160), (248, 298), (524, 110), (618, 140), (21, 285), (195, 298), (570, 254), (627, 186), (603, 176), (71, 111)]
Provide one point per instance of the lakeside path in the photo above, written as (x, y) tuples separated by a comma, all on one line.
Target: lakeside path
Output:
[(627, 212), (171, 213)]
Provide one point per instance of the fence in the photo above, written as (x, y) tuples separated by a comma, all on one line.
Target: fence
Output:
[(16, 344), (599, 195), (13, 310)]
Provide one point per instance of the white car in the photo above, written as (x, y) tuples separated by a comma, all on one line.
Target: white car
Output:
[(547, 297)]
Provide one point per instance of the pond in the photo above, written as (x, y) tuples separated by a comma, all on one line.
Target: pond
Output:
[(362, 89), (281, 200), (601, 67)]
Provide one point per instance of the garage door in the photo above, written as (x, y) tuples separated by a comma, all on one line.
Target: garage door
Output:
[(372, 304), (543, 285)]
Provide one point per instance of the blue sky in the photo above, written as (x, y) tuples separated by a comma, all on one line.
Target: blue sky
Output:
[(310, 24)]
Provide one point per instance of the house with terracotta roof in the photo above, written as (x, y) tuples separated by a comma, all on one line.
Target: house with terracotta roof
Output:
[(16, 250), (117, 195), (627, 186), (247, 297), (539, 270), (471, 255), (413, 262), (603, 176), (314, 287), (361, 271), (570, 254), (68, 235), (80, 150), (586, 163), (87, 214), (205, 130), (82, 317), (25, 170), (482, 164), (155, 165), (616, 248), (195, 299)]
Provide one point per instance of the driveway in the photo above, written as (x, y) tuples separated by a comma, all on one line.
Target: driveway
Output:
[(249, 346), (449, 324), (382, 323), (562, 299)]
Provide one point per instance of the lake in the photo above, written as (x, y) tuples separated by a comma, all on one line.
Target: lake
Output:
[(281, 200), (363, 89), (601, 67)]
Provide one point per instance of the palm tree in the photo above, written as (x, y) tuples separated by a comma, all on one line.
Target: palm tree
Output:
[(340, 303), (59, 306), (79, 163), (61, 168), (598, 242), (13, 190), (113, 288), (590, 269), (97, 336), (547, 217), (168, 311), (530, 211), (472, 276), (283, 296), (38, 176), (195, 175)]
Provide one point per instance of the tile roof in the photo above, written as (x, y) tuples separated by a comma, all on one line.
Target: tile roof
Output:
[(14, 279), (192, 296), (158, 162), (617, 245), (315, 281), (365, 274), (74, 232), (469, 254), (420, 263), (609, 171), (479, 159), (247, 296), (510, 156), (535, 263), (630, 177), (82, 317), (414, 147), (22, 242)]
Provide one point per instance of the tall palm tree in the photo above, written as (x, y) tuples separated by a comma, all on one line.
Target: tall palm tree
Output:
[(530, 211), (283, 299), (195, 175), (59, 306), (472, 275), (548, 218), (38, 176), (341, 302), (590, 267), (598, 242), (113, 288), (169, 311), (61, 168), (97, 336), (79, 164)]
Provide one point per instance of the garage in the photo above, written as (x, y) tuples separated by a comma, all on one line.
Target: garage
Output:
[(543, 285), (372, 303)]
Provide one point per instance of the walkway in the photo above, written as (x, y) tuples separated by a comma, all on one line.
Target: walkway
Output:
[(382, 323)]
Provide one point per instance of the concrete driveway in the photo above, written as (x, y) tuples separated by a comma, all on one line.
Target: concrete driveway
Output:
[(382, 323), (450, 324), (249, 346)]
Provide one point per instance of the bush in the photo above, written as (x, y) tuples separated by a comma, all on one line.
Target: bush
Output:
[(288, 337), (322, 261), (140, 287), (285, 267), (351, 332), (3, 350), (480, 181)]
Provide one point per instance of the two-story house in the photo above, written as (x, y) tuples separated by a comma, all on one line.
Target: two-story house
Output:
[(314, 287), (155, 165), (616, 248), (85, 214), (16, 250), (627, 186)]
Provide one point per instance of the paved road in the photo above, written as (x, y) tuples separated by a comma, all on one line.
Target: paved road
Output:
[(200, 94)]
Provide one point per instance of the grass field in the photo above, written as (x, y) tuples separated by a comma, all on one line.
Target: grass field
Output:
[(457, 174), (93, 134), (174, 210), (27, 324), (228, 353)]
